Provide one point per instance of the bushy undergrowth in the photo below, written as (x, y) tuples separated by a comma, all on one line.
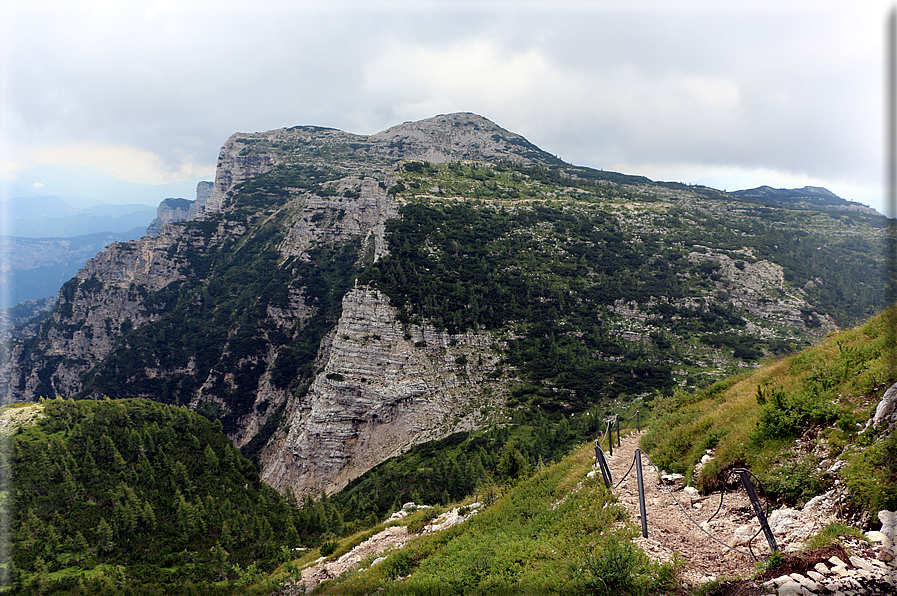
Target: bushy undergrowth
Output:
[(822, 397)]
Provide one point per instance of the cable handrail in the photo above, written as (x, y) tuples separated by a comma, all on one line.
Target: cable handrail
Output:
[(601, 460)]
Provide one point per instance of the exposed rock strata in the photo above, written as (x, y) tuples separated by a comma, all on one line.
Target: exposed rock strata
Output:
[(383, 388), (170, 210)]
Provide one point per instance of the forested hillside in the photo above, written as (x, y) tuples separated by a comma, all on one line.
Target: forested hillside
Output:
[(140, 497)]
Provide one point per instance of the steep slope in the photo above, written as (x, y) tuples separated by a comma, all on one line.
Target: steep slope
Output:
[(341, 297), (152, 495), (35, 268)]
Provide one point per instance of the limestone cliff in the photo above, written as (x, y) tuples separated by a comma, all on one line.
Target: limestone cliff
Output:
[(170, 210), (381, 388)]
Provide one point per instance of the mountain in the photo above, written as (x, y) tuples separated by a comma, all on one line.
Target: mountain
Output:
[(37, 267), (340, 298), (809, 197), (52, 217)]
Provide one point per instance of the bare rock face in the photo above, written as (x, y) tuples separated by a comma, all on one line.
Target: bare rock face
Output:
[(92, 310), (169, 210), (886, 411), (384, 387), (758, 286), (174, 209), (454, 137)]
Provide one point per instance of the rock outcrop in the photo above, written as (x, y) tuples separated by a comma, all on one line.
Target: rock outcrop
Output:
[(382, 388), (169, 210)]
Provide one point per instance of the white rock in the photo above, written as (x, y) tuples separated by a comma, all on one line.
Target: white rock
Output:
[(876, 536), (671, 478), (742, 535), (886, 412), (815, 575), (805, 582), (860, 563), (791, 588), (888, 523), (782, 519)]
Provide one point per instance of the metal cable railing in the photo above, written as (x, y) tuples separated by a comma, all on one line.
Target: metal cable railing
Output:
[(744, 474)]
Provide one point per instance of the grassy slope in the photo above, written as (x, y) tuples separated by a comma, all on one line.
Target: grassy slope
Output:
[(556, 532), (798, 411)]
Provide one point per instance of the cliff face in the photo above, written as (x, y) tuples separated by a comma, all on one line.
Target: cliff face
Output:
[(170, 210), (382, 387), (332, 302)]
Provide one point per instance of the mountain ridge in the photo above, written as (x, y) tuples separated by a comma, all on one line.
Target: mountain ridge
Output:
[(336, 286)]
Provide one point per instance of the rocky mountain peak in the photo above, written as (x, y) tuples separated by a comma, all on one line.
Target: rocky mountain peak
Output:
[(459, 136), (449, 137)]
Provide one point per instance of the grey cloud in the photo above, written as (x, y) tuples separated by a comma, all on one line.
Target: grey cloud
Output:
[(179, 80)]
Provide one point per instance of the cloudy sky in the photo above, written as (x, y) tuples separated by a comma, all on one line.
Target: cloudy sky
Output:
[(130, 101)]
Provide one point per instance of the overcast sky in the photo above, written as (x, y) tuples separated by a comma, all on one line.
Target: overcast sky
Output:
[(730, 94)]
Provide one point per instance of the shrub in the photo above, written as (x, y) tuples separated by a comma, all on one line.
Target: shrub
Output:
[(422, 518), (328, 548), (872, 477), (784, 416), (794, 483), (621, 568)]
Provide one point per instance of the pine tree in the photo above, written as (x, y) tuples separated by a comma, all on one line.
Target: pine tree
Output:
[(104, 536), (211, 459)]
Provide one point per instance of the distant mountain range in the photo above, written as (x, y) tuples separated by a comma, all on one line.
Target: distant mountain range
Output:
[(39, 266), (52, 217)]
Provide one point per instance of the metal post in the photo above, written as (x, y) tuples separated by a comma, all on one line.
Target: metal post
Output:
[(638, 421), (605, 469), (641, 492), (610, 438), (617, 419), (746, 481)]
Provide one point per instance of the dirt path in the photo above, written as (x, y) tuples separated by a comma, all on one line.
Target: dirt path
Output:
[(671, 531)]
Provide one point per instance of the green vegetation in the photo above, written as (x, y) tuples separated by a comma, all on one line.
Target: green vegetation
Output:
[(556, 271), (821, 396), (552, 532), (452, 468), (132, 496)]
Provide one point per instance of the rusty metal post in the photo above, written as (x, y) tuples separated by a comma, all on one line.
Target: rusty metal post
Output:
[(641, 492), (761, 516)]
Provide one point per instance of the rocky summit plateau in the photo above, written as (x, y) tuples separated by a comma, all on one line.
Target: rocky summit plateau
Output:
[(335, 299)]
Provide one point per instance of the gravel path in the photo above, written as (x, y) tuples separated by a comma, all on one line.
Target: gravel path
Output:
[(674, 528)]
